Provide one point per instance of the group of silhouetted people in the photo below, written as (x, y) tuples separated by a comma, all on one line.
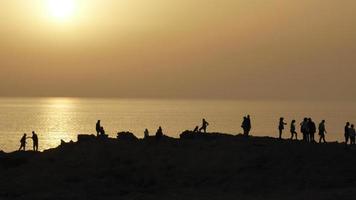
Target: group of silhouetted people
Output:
[(350, 133), (307, 128), (34, 140), (204, 126), (159, 133)]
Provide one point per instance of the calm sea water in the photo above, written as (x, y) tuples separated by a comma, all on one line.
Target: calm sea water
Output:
[(63, 118)]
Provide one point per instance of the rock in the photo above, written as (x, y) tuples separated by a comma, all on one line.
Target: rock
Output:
[(126, 136), (85, 138)]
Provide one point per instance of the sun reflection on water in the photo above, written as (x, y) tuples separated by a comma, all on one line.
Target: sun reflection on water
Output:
[(58, 118)]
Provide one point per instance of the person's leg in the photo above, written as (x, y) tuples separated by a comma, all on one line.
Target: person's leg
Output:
[(280, 133)]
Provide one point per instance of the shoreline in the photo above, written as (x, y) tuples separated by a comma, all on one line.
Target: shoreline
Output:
[(209, 166)]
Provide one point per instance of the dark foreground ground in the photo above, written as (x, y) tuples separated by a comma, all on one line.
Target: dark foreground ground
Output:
[(219, 167)]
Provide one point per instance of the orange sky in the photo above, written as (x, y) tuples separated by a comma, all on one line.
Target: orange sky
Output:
[(243, 49)]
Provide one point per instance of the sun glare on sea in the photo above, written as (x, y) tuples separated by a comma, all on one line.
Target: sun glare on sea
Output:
[(61, 9)]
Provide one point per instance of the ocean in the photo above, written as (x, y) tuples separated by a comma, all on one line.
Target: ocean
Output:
[(54, 119)]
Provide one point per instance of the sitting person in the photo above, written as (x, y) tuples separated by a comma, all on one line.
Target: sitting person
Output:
[(196, 130), (102, 132), (159, 133)]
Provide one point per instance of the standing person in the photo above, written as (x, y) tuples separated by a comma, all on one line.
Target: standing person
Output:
[(248, 124), (352, 134), (293, 130), (244, 126), (304, 129), (322, 131), (281, 126), (346, 132), (204, 125), (98, 128), (147, 134), (35, 141), (312, 130), (23, 142)]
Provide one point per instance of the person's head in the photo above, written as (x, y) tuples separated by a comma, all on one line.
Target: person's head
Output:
[(347, 123), (281, 119), (248, 116), (24, 134), (305, 119), (323, 121), (33, 132), (293, 121), (352, 126)]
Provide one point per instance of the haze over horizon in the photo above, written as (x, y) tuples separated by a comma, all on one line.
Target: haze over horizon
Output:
[(234, 49)]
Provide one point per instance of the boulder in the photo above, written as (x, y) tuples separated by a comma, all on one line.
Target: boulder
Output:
[(126, 136), (85, 138)]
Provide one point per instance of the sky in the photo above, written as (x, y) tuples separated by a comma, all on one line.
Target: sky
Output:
[(228, 49)]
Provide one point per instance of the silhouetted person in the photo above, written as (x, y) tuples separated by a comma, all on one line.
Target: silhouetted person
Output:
[(23, 142), (322, 131), (147, 134), (102, 131), (346, 132), (304, 129), (196, 129), (312, 130), (35, 141), (248, 124), (98, 128), (159, 133), (281, 126), (352, 134), (244, 126), (293, 130), (204, 125)]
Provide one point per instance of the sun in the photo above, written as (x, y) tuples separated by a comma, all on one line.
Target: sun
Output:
[(61, 9)]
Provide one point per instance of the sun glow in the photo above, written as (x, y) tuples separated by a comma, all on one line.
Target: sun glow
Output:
[(61, 9)]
